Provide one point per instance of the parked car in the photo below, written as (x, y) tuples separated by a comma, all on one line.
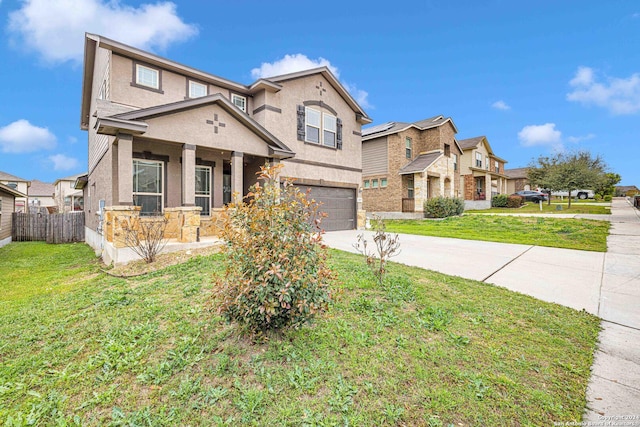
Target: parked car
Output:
[(580, 194), (532, 195)]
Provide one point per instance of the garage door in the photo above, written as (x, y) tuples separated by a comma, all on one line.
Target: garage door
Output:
[(338, 203)]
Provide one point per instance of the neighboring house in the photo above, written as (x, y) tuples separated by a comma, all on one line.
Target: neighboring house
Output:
[(66, 196), (481, 173), (165, 137), (626, 190), (40, 196), (8, 196), (517, 180), (404, 164), (21, 185)]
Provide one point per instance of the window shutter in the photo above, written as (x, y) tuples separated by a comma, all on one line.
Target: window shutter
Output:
[(339, 133), (300, 122)]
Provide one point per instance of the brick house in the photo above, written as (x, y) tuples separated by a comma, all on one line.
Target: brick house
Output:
[(481, 173), (517, 180), (167, 138), (404, 164)]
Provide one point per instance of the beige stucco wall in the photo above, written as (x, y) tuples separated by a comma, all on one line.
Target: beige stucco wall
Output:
[(7, 208)]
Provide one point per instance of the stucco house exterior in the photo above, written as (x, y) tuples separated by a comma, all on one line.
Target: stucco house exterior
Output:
[(18, 184), (481, 173), (67, 198), (517, 180), (404, 164), (167, 138), (8, 197)]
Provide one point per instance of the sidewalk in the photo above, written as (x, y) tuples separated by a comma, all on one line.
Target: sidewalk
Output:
[(607, 285)]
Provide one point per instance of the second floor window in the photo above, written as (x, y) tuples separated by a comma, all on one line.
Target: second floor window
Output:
[(447, 150), (486, 162), (146, 76), (312, 125), (239, 101), (479, 160), (407, 147), (497, 167), (196, 90), (329, 130), (455, 162)]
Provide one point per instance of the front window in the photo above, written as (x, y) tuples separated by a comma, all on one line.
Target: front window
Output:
[(329, 130), (203, 189), (497, 167), (447, 150), (147, 186), (374, 183), (479, 160), (486, 162), (197, 90), (383, 182), (408, 147), (455, 162), (239, 101), (146, 76), (312, 125), (410, 187), (366, 183)]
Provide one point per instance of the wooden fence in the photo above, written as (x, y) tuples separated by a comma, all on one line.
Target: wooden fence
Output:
[(51, 228)]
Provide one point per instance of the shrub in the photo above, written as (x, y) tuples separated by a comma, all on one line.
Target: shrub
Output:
[(443, 207), (276, 274), (145, 236), (500, 201), (386, 246), (608, 198), (515, 201)]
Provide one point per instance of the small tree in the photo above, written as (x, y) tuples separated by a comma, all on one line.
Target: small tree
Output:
[(275, 263), (145, 236), (386, 246), (607, 186)]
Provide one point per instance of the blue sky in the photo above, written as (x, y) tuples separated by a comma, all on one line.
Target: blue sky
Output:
[(533, 76)]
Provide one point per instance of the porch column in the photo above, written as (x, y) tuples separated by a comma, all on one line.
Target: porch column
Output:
[(487, 186), (188, 175), (125, 169), (237, 158)]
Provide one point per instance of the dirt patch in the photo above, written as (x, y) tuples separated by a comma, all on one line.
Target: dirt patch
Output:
[(138, 268)]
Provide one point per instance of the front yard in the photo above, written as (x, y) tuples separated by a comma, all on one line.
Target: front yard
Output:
[(582, 234), (553, 208), (83, 348)]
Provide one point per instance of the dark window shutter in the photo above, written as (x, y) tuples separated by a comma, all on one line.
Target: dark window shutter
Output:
[(339, 133), (300, 122)]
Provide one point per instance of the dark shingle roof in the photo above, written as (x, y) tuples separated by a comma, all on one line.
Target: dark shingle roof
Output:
[(393, 127), (516, 173), (465, 144), (420, 163)]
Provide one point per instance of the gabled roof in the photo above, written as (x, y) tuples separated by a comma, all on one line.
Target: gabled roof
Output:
[(8, 177), (420, 163), (361, 115), (11, 191), (112, 124), (516, 173), (94, 41), (395, 127), (471, 143), (70, 178), (39, 188)]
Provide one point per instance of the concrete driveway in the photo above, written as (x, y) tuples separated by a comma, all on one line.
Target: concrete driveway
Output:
[(604, 284)]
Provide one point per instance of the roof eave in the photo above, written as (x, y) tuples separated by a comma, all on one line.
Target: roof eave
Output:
[(112, 126), (87, 79), (11, 191)]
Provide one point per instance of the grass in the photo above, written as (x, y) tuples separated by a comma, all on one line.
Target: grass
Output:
[(549, 209), (583, 234), (424, 349)]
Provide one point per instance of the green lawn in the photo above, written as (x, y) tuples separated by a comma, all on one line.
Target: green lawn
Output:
[(588, 235), (425, 349), (553, 209)]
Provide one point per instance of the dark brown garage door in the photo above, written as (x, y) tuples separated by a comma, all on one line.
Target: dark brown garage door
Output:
[(338, 203)]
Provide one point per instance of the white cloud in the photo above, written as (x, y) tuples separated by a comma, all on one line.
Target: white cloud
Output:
[(55, 29), (72, 139), (63, 163), (501, 105), (576, 139), (361, 96), (23, 137), (618, 95), (537, 135), (291, 64)]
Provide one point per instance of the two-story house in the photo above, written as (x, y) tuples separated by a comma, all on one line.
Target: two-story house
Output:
[(481, 173), (20, 185), (404, 164), (165, 137), (67, 198)]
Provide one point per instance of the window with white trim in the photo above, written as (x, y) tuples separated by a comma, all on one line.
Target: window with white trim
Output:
[(383, 182), (312, 125), (148, 184), (497, 167), (329, 127), (455, 162), (408, 147), (366, 183), (197, 89), (203, 189), (478, 160), (146, 76), (486, 162), (239, 101), (374, 183)]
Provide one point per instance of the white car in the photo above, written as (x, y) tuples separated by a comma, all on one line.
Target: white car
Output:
[(580, 194)]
